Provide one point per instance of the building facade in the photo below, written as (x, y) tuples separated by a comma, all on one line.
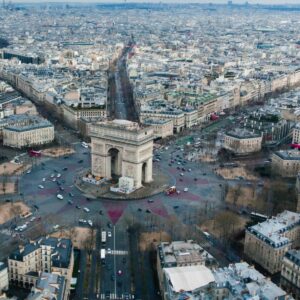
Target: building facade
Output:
[(290, 273), (28, 131), (242, 142), (266, 243), (50, 255), (286, 163)]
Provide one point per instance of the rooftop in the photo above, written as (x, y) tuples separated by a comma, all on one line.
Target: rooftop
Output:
[(288, 154), (241, 133), (272, 230)]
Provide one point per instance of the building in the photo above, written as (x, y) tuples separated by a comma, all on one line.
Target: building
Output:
[(28, 131), (242, 281), (296, 134), (122, 148), (186, 282), (3, 277), (286, 163), (161, 128), (180, 254), (49, 286), (242, 141), (290, 273), (50, 255), (266, 243)]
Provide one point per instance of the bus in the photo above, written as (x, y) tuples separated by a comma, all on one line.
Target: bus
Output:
[(103, 237), (258, 217), (34, 153), (102, 254)]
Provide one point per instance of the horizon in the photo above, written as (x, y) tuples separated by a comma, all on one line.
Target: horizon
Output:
[(264, 2)]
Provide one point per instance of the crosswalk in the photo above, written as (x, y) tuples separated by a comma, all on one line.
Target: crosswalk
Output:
[(116, 297), (119, 252)]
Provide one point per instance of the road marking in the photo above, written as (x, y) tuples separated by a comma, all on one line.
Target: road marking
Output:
[(115, 296), (119, 252)]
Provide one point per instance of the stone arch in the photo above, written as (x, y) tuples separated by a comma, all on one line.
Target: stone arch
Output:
[(115, 162), (144, 170)]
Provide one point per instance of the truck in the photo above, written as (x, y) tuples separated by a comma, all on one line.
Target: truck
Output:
[(103, 237), (171, 190)]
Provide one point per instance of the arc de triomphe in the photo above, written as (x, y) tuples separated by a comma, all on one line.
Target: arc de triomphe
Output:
[(122, 148)]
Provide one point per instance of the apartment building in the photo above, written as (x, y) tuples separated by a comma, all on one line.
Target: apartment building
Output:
[(3, 277), (178, 254), (296, 134), (266, 243), (50, 255), (242, 141), (290, 273), (161, 128), (286, 163), (28, 131), (49, 286)]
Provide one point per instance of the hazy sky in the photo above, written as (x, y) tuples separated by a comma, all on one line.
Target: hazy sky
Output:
[(168, 1)]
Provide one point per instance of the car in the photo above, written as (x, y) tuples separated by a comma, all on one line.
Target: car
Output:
[(52, 175), (109, 234), (139, 209), (204, 174), (38, 219), (150, 201), (88, 199), (66, 157), (61, 188), (78, 207), (54, 179), (108, 251), (119, 272), (71, 194), (58, 182), (90, 222), (55, 227), (148, 211), (7, 200), (28, 172), (100, 212), (86, 209), (190, 170), (109, 225), (40, 186), (195, 179), (65, 169), (32, 219), (80, 161), (180, 179), (181, 174), (44, 179), (175, 206), (58, 175), (59, 196), (36, 207), (70, 202), (186, 189)]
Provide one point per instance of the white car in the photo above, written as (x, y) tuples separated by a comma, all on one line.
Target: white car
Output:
[(28, 172), (90, 223), (59, 196), (86, 209), (54, 179), (52, 175), (58, 175), (55, 227), (82, 221), (186, 189), (40, 186), (32, 219), (44, 179), (109, 234)]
